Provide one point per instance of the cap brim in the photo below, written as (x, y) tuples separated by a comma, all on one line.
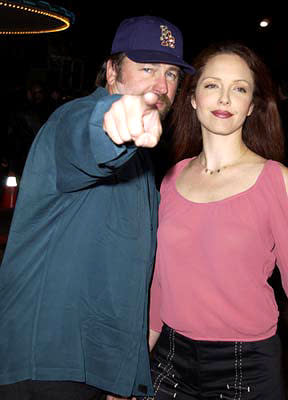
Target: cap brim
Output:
[(147, 56)]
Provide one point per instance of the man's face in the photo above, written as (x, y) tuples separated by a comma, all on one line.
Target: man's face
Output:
[(37, 94), (140, 78)]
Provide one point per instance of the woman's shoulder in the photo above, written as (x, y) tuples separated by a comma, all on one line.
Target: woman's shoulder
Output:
[(173, 172), (278, 173), (258, 162), (177, 168), (284, 171)]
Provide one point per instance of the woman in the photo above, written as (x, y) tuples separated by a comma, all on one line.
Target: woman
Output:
[(222, 227)]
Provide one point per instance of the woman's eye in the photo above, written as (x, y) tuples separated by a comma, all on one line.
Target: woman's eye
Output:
[(210, 86), (241, 89), (149, 70)]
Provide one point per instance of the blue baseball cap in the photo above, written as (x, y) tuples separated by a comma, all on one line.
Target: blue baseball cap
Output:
[(149, 39)]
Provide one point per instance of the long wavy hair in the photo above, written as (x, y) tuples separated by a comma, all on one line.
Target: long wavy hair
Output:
[(262, 131)]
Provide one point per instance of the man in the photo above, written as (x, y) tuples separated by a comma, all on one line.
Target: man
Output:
[(75, 276)]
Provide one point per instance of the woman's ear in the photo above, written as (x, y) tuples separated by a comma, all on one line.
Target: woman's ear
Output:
[(193, 102), (251, 108)]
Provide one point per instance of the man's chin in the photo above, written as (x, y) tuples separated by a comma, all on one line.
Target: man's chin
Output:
[(163, 112), (163, 105)]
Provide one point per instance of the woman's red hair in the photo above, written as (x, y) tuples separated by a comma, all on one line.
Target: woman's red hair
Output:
[(262, 131)]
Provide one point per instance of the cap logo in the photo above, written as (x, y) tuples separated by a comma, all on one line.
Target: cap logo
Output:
[(166, 38)]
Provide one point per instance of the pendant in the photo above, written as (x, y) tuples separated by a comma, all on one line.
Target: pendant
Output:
[(211, 172)]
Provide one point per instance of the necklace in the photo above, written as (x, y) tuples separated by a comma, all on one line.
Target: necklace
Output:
[(209, 171)]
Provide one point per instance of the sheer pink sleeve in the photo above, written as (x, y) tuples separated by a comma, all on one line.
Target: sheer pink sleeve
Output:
[(279, 223)]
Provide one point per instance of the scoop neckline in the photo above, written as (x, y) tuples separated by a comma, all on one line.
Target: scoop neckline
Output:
[(226, 199)]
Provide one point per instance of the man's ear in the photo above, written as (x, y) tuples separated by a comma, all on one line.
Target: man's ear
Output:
[(111, 73)]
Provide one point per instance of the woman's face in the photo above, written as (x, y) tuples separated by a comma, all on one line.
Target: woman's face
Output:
[(224, 93)]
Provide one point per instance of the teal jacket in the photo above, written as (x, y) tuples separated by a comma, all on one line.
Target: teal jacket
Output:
[(75, 275)]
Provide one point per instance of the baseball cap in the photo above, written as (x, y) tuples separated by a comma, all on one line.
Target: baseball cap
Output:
[(152, 40)]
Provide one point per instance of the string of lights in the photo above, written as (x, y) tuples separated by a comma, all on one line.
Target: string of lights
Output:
[(55, 18)]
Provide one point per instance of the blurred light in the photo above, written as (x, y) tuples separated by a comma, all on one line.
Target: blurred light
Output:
[(264, 23), (64, 20), (11, 181)]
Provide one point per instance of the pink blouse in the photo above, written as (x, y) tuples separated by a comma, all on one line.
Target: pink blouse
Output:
[(214, 259)]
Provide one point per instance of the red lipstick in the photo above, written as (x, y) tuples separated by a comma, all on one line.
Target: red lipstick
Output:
[(222, 114)]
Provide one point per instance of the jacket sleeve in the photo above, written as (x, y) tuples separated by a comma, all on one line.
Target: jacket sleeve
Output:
[(85, 154)]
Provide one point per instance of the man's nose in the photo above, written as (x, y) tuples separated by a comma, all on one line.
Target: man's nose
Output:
[(161, 85)]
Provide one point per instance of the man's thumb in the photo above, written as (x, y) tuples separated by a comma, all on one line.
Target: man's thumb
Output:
[(151, 98)]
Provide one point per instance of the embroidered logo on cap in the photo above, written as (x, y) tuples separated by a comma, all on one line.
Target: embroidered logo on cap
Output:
[(166, 38)]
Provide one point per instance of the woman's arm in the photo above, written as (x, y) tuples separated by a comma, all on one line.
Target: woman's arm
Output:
[(153, 337)]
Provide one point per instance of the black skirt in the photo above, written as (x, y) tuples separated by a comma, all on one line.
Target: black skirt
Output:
[(187, 369)]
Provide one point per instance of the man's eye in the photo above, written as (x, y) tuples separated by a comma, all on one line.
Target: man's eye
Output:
[(149, 70), (172, 75)]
